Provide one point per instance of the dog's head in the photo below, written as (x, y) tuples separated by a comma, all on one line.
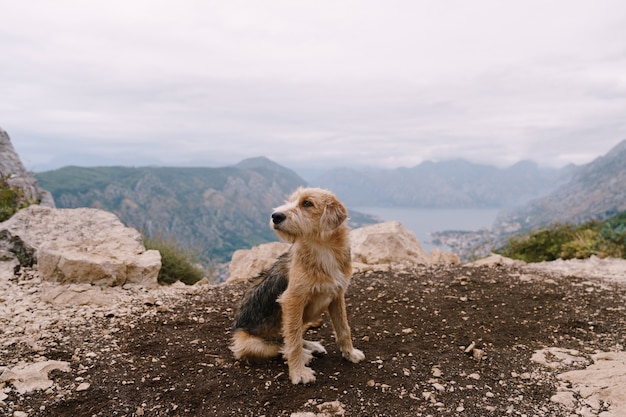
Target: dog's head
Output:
[(310, 213)]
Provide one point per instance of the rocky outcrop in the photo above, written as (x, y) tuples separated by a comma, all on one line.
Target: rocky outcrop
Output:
[(79, 246), (12, 168), (380, 247), (247, 263), (389, 245)]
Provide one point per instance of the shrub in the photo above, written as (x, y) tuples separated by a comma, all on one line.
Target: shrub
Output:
[(12, 199), (567, 241), (177, 263)]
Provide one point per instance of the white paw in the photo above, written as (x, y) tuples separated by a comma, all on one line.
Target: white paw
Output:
[(314, 347), (302, 375), (354, 355)]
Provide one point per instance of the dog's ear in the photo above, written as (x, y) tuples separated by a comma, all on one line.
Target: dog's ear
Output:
[(334, 214)]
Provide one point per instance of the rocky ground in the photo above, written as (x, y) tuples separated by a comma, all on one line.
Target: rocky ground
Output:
[(439, 341)]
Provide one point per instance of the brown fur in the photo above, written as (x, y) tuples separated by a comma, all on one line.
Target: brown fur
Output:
[(318, 269)]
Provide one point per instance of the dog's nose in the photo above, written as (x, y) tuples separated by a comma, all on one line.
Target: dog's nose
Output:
[(278, 217)]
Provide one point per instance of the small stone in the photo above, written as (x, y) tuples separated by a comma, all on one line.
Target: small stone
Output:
[(475, 376), (438, 387), (478, 354), (83, 387)]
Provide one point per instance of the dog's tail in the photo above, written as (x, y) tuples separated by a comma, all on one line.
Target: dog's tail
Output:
[(247, 346)]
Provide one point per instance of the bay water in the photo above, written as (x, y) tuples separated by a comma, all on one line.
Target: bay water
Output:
[(422, 222)]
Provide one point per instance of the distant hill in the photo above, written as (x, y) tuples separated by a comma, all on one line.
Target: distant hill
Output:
[(449, 184), (596, 191), (213, 211)]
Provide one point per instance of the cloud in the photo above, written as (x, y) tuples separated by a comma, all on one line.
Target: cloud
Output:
[(314, 82)]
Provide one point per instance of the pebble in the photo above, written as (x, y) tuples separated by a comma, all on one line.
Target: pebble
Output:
[(439, 387), (83, 387)]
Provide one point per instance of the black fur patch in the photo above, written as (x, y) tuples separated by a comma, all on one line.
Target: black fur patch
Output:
[(260, 314)]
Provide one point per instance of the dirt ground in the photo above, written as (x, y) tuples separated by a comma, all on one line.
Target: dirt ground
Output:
[(439, 341)]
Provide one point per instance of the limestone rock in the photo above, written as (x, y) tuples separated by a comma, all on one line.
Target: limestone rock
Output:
[(33, 376), (11, 166), (386, 243), (248, 263), (77, 294), (84, 246), (603, 381), (494, 260), (438, 257)]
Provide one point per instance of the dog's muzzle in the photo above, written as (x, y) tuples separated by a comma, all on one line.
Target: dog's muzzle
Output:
[(278, 217)]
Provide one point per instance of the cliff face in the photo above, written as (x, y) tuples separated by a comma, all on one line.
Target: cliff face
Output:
[(11, 166)]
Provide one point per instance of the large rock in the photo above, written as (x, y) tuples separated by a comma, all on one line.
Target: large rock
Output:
[(389, 245), (11, 167), (382, 246), (248, 263), (84, 246)]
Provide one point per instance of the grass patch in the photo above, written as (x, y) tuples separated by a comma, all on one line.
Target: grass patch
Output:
[(177, 263), (567, 241), (12, 199)]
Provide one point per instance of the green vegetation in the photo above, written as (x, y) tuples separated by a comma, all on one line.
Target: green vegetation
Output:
[(12, 199), (177, 263), (567, 241)]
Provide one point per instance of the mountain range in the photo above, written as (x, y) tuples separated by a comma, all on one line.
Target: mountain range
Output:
[(448, 184), (216, 211), (212, 211), (595, 191)]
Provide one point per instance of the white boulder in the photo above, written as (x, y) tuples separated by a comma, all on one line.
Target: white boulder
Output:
[(248, 263), (389, 245), (84, 245)]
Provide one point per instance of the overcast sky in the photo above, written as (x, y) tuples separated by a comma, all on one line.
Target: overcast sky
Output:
[(312, 83)]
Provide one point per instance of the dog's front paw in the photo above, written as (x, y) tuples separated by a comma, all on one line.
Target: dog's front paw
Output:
[(354, 355), (303, 375)]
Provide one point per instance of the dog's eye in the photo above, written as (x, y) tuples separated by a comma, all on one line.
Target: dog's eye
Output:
[(307, 203)]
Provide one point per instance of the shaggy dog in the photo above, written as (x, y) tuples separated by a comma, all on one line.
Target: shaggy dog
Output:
[(308, 280)]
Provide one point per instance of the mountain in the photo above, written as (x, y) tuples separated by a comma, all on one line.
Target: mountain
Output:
[(213, 211), (449, 184), (13, 171), (596, 191)]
